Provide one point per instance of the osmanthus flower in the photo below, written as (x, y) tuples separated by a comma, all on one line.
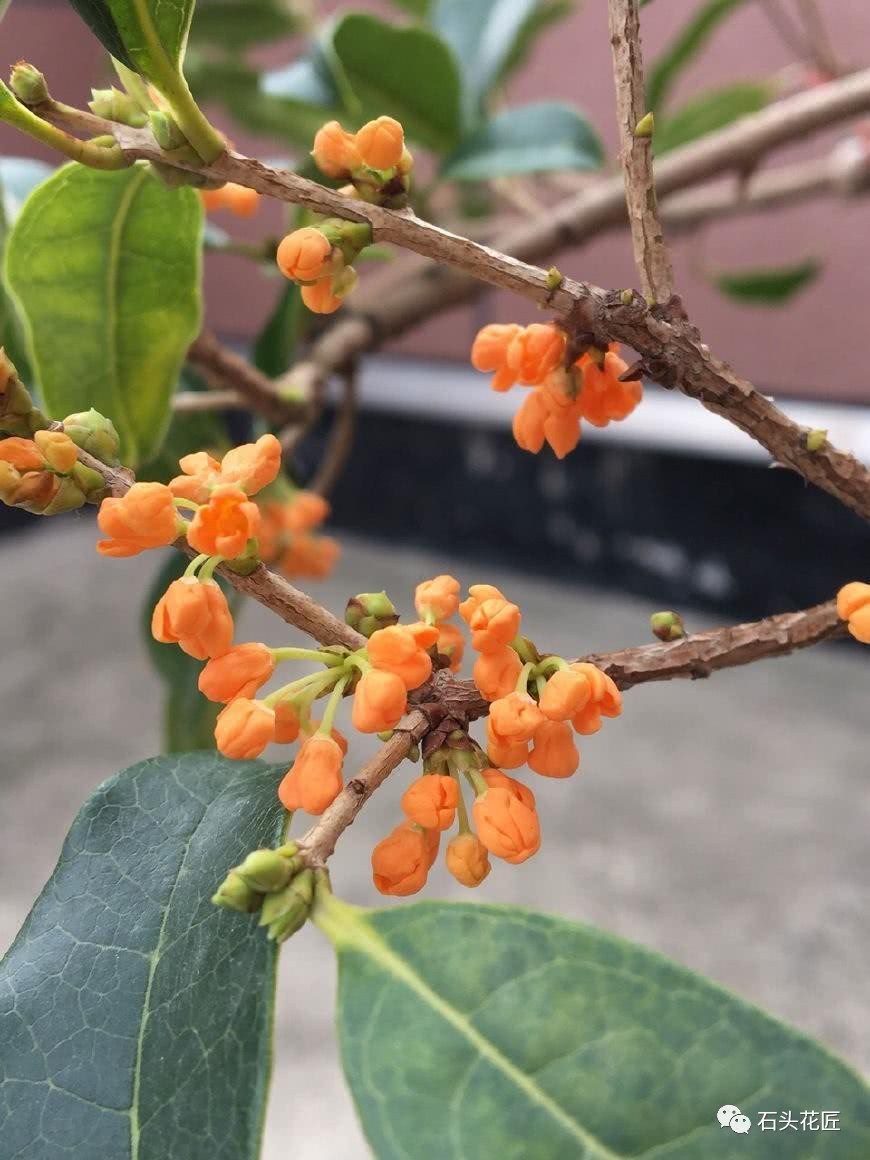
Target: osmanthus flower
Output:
[(437, 599), (605, 699), (396, 649), (493, 620), (380, 143), (495, 673), (314, 780), (507, 826), (401, 861), (379, 701), (144, 517), (553, 752), (194, 614), (431, 801), (244, 728), (288, 518), (238, 672), (853, 606), (225, 524), (250, 467), (467, 859), (238, 199)]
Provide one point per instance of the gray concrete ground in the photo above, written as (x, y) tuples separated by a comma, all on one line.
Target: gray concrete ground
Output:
[(724, 823)]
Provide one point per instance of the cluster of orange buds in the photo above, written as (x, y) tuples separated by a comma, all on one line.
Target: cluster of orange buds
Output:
[(238, 199), (42, 475), (853, 606), (289, 519), (590, 388), (320, 259)]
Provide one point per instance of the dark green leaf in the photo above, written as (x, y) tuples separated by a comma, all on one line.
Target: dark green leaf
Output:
[(694, 35), (406, 73), (237, 24), (415, 7), (482, 35), (98, 16), (708, 112), (545, 13), (768, 287), (486, 1031), (146, 35), (135, 1019), (527, 139), (105, 268), (276, 342)]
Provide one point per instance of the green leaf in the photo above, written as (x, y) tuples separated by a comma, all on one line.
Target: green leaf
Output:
[(276, 342), (768, 287), (105, 268), (527, 139), (153, 33), (136, 1017), (694, 35), (482, 35), (415, 7), (238, 24), (709, 112), (406, 73), (99, 17), (486, 1031), (308, 92)]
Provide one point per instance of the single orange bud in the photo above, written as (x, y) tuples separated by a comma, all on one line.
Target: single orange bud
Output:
[(58, 449), (22, 454), (477, 593), (253, 465), (145, 517), (313, 556), (451, 643), (286, 723), (431, 801), (536, 351), (213, 199), (400, 862), (240, 199), (395, 650), (506, 826), (467, 859), (565, 694), (317, 770), (515, 717), (223, 526), (237, 673), (306, 510), (424, 634), (495, 778), (605, 699), (853, 605), (489, 353), (604, 398), (554, 753), (507, 754), (200, 472), (319, 298), (381, 143), (335, 152), (379, 701), (244, 728), (195, 615), (528, 422), (494, 624), (438, 597), (305, 255), (496, 673)]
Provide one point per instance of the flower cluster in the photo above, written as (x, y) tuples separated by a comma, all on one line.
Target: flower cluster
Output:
[(238, 199), (590, 388), (320, 255), (853, 606), (42, 475)]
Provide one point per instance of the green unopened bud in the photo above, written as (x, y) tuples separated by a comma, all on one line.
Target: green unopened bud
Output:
[(667, 626), (344, 282), (18, 416), (90, 482), (114, 105), (166, 131), (285, 912), (68, 497), (95, 434), (816, 439), (645, 126), (234, 893), (266, 871), (626, 297), (555, 278), (28, 84), (369, 611)]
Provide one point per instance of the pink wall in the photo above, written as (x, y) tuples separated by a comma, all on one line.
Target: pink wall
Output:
[(807, 348)]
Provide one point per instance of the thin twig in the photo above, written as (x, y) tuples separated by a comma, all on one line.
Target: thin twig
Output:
[(341, 437), (819, 42), (223, 368), (186, 402)]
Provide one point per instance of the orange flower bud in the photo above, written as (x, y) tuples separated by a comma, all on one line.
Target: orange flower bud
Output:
[(554, 753), (145, 517), (223, 526), (605, 700), (495, 778), (496, 673), (853, 605), (506, 826), (562, 431), (508, 754), (604, 397), (536, 351), (305, 255), (22, 454), (380, 143), (439, 596), (200, 472), (528, 422), (514, 718), (313, 556), (317, 770), (288, 790), (58, 449), (244, 728), (306, 510), (335, 152), (379, 700), (494, 624), (400, 862), (240, 199), (565, 694), (431, 801), (424, 634), (489, 353), (237, 673), (467, 859), (195, 615), (451, 643), (395, 650), (477, 593), (253, 465), (286, 723), (319, 298)]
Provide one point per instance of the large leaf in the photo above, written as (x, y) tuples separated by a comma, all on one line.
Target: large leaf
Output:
[(147, 35), (527, 139), (407, 73), (135, 1017), (237, 24), (483, 35), (710, 111), (768, 287), (485, 1031), (689, 42), (105, 268)]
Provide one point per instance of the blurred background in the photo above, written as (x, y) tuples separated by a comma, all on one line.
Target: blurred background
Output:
[(724, 823)]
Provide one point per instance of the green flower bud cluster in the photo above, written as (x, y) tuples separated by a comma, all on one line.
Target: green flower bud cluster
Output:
[(273, 882), (369, 611)]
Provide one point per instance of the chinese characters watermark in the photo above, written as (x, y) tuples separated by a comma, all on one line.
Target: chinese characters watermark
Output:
[(730, 1116)]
